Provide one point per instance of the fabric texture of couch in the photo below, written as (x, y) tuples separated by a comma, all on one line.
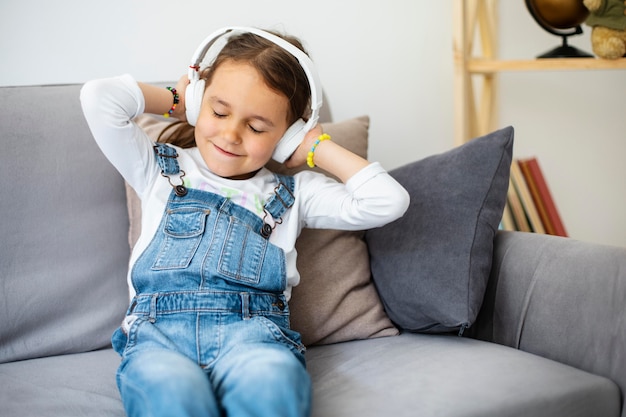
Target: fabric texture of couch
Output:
[(542, 317)]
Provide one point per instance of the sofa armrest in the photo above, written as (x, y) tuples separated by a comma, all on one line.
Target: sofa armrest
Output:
[(559, 298)]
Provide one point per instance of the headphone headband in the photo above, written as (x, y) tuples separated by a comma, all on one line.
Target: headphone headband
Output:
[(213, 44), (208, 51)]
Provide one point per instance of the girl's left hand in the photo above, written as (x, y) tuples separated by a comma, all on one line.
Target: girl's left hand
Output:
[(299, 156)]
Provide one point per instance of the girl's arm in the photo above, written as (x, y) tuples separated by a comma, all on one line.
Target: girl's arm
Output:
[(329, 156), (110, 105), (337, 160), (369, 197), (159, 100)]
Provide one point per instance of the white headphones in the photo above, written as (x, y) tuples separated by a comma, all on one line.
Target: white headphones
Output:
[(212, 46)]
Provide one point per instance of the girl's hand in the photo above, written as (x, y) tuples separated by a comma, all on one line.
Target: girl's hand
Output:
[(299, 156), (181, 88)]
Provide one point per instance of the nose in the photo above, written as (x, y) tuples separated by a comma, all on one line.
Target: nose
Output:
[(230, 133)]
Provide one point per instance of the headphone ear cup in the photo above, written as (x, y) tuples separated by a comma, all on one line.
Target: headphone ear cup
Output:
[(290, 141), (193, 100)]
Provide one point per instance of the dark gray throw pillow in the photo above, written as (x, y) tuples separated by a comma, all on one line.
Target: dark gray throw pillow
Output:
[(432, 265)]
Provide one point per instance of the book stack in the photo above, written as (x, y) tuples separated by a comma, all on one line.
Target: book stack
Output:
[(530, 206)]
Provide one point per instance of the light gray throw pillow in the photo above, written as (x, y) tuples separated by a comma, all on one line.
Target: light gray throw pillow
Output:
[(64, 256)]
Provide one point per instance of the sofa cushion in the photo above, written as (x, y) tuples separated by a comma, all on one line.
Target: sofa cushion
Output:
[(81, 384), (441, 375), (64, 260), (336, 299), (431, 266), (409, 375)]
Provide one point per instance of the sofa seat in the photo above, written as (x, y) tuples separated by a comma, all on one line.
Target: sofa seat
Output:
[(451, 376), (79, 384), (444, 375)]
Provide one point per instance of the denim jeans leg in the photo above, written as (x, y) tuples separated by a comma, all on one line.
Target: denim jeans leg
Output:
[(256, 375), (159, 382), (263, 381)]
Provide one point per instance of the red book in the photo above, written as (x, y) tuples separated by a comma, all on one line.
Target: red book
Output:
[(542, 196)]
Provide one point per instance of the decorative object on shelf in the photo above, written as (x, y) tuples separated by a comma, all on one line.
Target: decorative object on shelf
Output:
[(608, 20), (561, 18)]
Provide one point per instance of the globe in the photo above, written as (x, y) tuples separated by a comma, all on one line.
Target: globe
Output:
[(561, 18)]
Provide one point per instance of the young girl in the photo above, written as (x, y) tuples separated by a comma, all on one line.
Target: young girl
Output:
[(207, 332)]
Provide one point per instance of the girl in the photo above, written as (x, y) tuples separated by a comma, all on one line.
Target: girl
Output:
[(207, 332)]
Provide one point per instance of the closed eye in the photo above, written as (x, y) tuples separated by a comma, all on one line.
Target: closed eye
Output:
[(255, 131)]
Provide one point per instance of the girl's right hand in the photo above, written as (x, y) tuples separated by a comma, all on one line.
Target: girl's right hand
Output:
[(181, 88)]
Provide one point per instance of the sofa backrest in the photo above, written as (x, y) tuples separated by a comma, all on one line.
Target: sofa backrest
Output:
[(63, 221)]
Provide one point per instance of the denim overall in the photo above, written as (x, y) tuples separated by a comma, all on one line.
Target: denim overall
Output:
[(208, 332)]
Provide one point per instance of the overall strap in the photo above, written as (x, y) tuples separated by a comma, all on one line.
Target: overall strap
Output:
[(279, 203), (166, 158), (275, 207), (283, 197)]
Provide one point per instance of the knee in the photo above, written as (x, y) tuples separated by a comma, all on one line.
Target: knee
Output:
[(159, 366), (166, 383), (271, 374), (275, 366)]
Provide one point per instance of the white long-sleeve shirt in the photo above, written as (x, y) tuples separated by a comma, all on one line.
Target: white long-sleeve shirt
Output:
[(370, 198)]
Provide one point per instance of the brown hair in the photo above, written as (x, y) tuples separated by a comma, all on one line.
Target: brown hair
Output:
[(281, 71)]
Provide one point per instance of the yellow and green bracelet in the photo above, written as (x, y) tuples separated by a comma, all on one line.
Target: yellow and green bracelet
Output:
[(309, 157)]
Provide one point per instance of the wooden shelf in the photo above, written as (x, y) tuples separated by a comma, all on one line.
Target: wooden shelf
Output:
[(475, 103), (490, 66)]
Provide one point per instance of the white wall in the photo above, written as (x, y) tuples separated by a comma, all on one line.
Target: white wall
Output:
[(375, 58), (391, 60), (573, 121)]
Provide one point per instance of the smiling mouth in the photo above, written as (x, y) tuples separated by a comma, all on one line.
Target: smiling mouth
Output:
[(224, 152)]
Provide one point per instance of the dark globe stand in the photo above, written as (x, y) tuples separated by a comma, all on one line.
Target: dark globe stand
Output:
[(565, 50), (561, 18)]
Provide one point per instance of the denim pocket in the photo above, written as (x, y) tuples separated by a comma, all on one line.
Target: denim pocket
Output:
[(283, 335), (182, 232), (119, 341), (243, 253), (125, 336), (246, 257)]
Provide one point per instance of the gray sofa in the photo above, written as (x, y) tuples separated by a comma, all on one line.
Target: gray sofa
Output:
[(542, 318)]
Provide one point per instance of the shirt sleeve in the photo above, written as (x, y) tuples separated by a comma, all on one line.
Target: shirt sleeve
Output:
[(109, 106), (371, 198)]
